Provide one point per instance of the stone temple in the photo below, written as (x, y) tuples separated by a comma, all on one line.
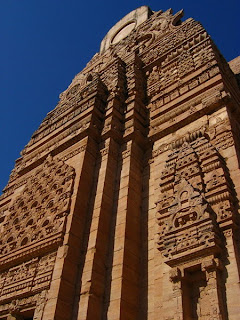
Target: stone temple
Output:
[(124, 203)]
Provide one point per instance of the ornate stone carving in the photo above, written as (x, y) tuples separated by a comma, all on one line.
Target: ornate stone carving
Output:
[(27, 278), (221, 134), (40, 303), (16, 305), (188, 210), (185, 63), (36, 218), (157, 95), (170, 43), (74, 101), (196, 196)]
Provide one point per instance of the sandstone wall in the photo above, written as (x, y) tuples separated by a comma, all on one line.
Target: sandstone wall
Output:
[(124, 204)]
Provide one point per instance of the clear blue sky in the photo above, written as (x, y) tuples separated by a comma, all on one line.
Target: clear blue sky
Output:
[(45, 43)]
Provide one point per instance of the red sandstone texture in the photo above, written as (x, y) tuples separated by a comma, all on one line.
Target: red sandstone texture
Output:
[(124, 204)]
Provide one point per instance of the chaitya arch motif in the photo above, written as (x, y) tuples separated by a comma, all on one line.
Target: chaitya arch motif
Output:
[(195, 209), (32, 231), (36, 218)]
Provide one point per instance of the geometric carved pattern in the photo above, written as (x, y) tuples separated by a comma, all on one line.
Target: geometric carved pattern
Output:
[(37, 217), (221, 134), (185, 63), (196, 199), (189, 225), (27, 278)]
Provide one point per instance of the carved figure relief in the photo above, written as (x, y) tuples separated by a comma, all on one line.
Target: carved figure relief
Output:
[(186, 219)]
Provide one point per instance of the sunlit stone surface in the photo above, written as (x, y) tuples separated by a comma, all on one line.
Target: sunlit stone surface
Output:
[(124, 204)]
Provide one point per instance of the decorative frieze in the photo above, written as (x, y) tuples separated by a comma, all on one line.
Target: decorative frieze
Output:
[(27, 278)]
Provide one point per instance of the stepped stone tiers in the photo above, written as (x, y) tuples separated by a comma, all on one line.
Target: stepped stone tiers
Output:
[(124, 204)]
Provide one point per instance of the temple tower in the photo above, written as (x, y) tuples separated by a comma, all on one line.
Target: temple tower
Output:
[(124, 205)]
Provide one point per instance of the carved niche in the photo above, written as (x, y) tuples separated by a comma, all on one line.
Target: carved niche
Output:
[(195, 204), (190, 226)]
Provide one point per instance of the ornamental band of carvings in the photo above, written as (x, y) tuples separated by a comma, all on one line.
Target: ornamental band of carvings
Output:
[(68, 138), (37, 301), (27, 278), (21, 182)]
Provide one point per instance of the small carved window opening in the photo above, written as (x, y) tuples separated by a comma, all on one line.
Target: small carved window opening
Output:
[(21, 204), (45, 199), (24, 241), (45, 223), (10, 239), (39, 188), (16, 221), (89, 78), (26, 315), (34, 204), (60, 191), (2, 219), (54, 186), (58, 171), (29, 223), (50, 204)]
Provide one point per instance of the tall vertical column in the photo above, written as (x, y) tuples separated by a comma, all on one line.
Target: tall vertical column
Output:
[(125, 286), (216, 306), (126, 259), (95, 265), (60, 296), (93, 275), (232, 270), (178, 298)]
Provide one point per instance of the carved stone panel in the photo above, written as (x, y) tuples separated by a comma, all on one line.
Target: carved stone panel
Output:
[(196, 200), (27, 278), (36, 218)]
